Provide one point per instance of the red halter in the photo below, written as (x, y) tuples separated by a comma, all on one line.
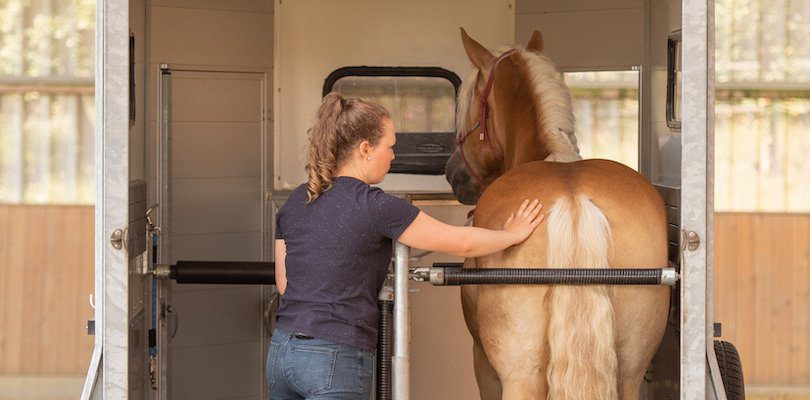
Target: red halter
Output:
[(482, 122)]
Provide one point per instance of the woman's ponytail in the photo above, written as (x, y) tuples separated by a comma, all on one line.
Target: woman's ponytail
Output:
[(323, 141), (340, 124)]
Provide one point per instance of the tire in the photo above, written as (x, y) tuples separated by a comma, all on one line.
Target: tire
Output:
[(730, 369)]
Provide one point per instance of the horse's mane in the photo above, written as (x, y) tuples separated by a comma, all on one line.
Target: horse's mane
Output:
[(552, 105)]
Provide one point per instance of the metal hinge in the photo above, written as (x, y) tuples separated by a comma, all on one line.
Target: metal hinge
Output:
[(118, 239), (690, 240)]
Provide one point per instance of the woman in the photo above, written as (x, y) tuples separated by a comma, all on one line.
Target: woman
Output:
[(333, 246)]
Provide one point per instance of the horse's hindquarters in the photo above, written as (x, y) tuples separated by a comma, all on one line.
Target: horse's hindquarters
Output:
[(513, 320)]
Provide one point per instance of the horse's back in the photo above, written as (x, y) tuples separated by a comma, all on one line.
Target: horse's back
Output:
[(633, 207)]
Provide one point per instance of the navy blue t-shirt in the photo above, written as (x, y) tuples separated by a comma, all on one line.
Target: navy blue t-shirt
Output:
[(338, 251)]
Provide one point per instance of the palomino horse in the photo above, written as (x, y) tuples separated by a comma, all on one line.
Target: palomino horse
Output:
[(515, 142)]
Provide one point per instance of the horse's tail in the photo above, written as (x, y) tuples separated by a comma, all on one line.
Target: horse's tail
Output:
[(582, 359)]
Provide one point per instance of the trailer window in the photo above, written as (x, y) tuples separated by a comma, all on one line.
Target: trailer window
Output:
[(606, 107), (422, 102)]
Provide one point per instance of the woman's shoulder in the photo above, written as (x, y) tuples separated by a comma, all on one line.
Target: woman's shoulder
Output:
[(297, 197)]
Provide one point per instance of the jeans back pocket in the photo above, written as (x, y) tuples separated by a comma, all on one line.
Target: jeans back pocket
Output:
[(313, 368)]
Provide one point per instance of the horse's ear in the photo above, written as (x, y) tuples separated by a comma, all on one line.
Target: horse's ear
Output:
[(536, 42), (478, 54)]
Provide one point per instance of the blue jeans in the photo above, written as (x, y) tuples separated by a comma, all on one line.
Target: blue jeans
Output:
[(300, 368)]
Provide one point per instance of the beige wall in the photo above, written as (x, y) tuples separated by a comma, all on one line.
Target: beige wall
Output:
[(371, 33), (590, 33)]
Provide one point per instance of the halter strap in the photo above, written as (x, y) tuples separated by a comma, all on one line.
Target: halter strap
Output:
[(482, 121)]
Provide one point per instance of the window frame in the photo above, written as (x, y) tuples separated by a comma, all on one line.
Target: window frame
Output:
[(422, 153), (417, 72)]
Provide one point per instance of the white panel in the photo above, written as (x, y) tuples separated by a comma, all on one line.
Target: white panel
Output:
[(153, 76), (137, 27), (216, 149), (208, 317), (659, 91), (438, 331), (217, 246), (544, 6), (665, 167), (587, 39), (367, 32), (216, 205), (230, 5), (206, 37), (224, 371), (229, 97), (151, 158), (137, 137)]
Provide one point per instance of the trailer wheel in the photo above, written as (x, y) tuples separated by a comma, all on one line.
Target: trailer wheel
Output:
[(730, 369)]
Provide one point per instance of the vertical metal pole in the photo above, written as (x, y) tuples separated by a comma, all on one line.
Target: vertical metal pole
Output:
[(108, 373), (164, 195), (401, 360), (696, 169)]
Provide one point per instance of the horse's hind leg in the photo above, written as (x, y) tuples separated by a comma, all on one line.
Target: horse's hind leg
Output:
[(512, 333), (488, 383), (641, 314)]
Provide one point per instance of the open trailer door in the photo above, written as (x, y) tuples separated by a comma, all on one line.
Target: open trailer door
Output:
[(700, 376), (109, 367), (681, 153)]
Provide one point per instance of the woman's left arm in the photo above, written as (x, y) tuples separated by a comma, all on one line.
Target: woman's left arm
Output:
[(281, 265)]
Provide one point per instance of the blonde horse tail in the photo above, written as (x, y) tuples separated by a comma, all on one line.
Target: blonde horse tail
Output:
[(582, 353)]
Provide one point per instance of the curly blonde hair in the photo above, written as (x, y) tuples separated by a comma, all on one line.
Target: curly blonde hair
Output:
[(340, 124)]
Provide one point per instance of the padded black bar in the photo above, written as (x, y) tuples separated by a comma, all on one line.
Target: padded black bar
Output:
[(455, 275), (224, 272)]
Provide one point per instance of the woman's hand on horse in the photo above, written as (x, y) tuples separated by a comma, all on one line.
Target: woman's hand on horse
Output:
[(523, 222), (427, 233)]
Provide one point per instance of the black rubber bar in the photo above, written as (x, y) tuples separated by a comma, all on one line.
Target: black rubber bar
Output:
[(572, 276), (224, 272)]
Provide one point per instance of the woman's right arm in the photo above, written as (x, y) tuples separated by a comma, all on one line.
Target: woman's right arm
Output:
[(428, 233)]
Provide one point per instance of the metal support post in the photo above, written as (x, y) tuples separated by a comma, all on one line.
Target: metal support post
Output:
[(401, 359)]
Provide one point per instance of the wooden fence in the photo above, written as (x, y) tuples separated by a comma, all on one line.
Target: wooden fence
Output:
[(46, 275), (762, 291)]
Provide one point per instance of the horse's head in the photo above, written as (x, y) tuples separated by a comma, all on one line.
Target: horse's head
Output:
[(513, 108)]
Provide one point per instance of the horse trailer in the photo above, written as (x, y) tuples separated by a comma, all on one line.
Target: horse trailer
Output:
[(200, 146)]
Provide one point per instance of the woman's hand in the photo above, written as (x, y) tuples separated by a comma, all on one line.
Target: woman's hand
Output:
[(428, 233), (522, 222)]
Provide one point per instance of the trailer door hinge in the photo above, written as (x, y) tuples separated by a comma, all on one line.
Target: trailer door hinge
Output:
[(690, 240), (118, 238)]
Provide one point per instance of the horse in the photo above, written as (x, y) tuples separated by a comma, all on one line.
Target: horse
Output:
[(515, 141)]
